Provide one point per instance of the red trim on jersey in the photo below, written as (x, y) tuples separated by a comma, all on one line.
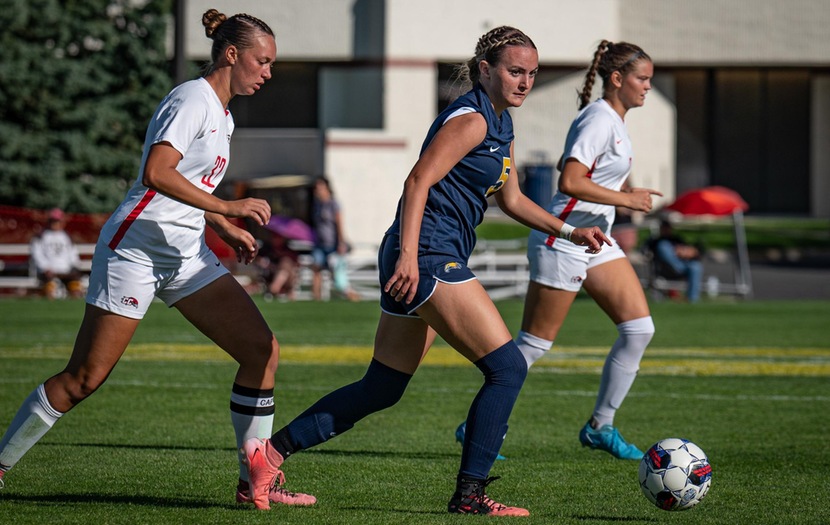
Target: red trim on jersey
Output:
[(122, 230), (570, 206)]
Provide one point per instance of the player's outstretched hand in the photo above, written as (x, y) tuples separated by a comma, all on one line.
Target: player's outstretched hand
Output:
[(639, 199), (591, 237)]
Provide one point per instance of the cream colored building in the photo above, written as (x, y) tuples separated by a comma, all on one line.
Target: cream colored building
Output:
[(741, 93)]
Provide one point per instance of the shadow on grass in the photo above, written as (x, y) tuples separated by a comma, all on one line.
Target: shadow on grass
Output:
[(632, 519), (130, 446), (384, 454), (103, 499), (327, 452), (386, 510)]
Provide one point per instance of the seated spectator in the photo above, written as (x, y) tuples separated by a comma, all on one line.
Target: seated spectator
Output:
[(280, 268), (676, 258), (56, 259)]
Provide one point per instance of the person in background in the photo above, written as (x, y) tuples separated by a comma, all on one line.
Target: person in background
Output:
[(330, 246), (280, 266), (56, 259), (596, 162), (677, 257), (153, 245), (427, 287)]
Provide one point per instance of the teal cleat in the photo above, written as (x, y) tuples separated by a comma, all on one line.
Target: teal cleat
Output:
[(459, 436), (608, 438)]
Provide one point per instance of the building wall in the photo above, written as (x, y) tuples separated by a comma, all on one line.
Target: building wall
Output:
[(395, 46), (718, 32), (565, 32), (305, 29), (820, 147)]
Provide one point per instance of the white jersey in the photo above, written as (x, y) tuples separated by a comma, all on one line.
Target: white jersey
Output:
[(599, 140), (53, 251), (150, 228)]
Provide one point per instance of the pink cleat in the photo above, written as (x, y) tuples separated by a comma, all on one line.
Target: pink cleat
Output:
[(276, 494), (2, 483), (266, 478)]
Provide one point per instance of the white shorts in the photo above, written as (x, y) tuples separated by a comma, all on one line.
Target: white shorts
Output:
[(127, 288), (566, 270)]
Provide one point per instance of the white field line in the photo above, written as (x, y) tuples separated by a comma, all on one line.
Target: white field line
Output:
[(532, 391)]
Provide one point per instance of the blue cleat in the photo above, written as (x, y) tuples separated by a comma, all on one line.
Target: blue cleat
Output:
[(459, 436), (608, 438)]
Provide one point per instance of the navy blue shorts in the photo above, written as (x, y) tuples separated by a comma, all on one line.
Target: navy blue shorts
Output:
[(432, 268)]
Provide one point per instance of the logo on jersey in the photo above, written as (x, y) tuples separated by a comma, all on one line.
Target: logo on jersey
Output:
[(505, 172), (129, 301), (494, 149), (450, 266)]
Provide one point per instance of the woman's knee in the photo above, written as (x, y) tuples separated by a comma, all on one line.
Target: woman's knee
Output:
[(505, 366), (72, 387), (269, 353), (260, 351)]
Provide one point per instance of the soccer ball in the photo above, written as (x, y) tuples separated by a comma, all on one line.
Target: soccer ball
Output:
[(675, 474)]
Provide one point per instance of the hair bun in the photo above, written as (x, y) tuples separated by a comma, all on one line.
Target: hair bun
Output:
[(212, 19)]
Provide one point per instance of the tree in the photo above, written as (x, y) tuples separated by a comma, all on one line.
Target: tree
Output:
[(79, 80)]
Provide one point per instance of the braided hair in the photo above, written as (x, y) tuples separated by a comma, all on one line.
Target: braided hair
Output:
[(240, 30), (610, 57), (491, 47)]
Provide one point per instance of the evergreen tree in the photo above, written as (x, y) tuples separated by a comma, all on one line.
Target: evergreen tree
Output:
[(79, 80)]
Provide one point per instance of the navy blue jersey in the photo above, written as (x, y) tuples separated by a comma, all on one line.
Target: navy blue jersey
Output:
[(456, 204)]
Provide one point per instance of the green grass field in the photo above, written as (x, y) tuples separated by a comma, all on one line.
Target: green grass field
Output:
[(748, 382)]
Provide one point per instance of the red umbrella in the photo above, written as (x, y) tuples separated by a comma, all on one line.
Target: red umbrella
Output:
[(712, 200)]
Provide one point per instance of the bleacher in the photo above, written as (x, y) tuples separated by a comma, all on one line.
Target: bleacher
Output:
[(17, 273)]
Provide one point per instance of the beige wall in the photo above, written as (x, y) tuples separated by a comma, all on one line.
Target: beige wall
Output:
[(719, 32), (367, 167), (563, 31), (672, 31), (305, 29)]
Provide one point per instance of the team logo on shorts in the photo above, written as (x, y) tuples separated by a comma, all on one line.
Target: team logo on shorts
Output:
[(129, 301), (576, 279), (450, 266)]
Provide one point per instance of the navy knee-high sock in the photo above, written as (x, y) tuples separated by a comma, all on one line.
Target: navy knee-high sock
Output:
[(380, 388), (504, 372)]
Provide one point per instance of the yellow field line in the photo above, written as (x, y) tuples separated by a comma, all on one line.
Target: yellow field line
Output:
[(679, 361)]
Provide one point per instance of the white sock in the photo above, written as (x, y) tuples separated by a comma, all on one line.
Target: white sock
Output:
[(252, 415), (621, 367), (34, 418), (532, 347)]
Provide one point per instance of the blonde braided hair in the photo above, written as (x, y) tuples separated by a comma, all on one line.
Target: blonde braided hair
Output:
[(491, 47)]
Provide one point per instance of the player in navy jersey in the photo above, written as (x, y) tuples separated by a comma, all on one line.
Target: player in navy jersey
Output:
[(153, 245), (427, 288)]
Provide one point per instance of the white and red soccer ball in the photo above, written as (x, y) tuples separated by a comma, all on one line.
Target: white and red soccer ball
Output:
[(675, 474)]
